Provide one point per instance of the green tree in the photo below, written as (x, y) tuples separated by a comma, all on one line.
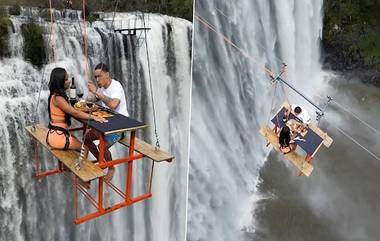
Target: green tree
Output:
[(5, 24), (34, 49)]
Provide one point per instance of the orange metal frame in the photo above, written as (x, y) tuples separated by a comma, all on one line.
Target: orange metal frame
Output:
[(99, 203)]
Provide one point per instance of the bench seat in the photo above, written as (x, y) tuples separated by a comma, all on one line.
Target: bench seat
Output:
[(148, 150), (88, 171)]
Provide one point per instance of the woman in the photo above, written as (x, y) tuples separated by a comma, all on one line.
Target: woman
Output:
[(60, 112), (284, 140)]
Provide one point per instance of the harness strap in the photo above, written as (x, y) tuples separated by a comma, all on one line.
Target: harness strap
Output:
[(63, 130)]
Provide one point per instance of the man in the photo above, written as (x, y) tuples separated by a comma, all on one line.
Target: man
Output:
[(111, 94), (296, 127), (302, 114)]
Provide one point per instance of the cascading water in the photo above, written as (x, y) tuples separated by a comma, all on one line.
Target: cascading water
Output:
[(41, 210), (231, 98)]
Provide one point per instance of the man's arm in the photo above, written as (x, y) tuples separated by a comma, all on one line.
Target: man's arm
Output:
[(112, 103)]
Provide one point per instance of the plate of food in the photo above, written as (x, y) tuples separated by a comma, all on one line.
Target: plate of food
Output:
[(85, 106), (102, 113)]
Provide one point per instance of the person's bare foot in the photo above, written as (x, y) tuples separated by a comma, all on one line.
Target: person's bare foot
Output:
[(110, 173)]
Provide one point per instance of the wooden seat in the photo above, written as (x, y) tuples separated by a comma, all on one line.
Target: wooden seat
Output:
[(297, 160), (88, 171), (148, 150)]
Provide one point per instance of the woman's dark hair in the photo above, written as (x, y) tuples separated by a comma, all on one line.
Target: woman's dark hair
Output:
[(57, 87), (284, 138)]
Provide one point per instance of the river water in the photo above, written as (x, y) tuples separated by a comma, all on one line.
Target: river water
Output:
[(340, 201)]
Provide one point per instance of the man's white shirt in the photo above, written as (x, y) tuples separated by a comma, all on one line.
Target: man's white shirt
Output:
[(115, 90), (304, 115)]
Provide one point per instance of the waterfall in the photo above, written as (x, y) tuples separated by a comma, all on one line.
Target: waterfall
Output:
[(231, 99), (33, 209)]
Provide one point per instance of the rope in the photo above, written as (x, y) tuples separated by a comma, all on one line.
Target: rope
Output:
[(151, 177), (82, 149), (271, 105), (257, 42), (284, 71), (285, 93), (44, 68), (114, 13), (230, 42), (85, 39), (357, 117), (151, 86), (78, 163), (51, 30), (349, 136), (112, 23), (357, 143), (221, 12)]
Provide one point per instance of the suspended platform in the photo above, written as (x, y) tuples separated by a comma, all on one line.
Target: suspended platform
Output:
[(310, 140), (93, 170)]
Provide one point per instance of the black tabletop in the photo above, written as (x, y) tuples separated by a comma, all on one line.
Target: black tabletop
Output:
[(116, 123), (309, 143)]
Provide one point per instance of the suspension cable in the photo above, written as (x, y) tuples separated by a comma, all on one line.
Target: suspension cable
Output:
[(272, 103), (78, 162), (230, 42), (114, 13), (151, 86), (44, 67), (356, 142), (85, 39), (112, 24), (51, 30), (357, 117), (257, 42)]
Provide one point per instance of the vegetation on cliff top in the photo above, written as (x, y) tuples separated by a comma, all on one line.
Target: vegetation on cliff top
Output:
[(5, 23), (351, 33), (34, 49), (177, 8)]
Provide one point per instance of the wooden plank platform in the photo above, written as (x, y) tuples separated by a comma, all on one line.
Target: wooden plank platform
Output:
[(88, 171), (148, 150), (297, 160), (327, 140)]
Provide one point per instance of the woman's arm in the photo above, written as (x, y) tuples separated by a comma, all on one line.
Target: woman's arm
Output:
[(61, 103)]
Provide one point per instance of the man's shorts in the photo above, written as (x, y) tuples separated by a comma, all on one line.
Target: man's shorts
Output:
[(113, 138)]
